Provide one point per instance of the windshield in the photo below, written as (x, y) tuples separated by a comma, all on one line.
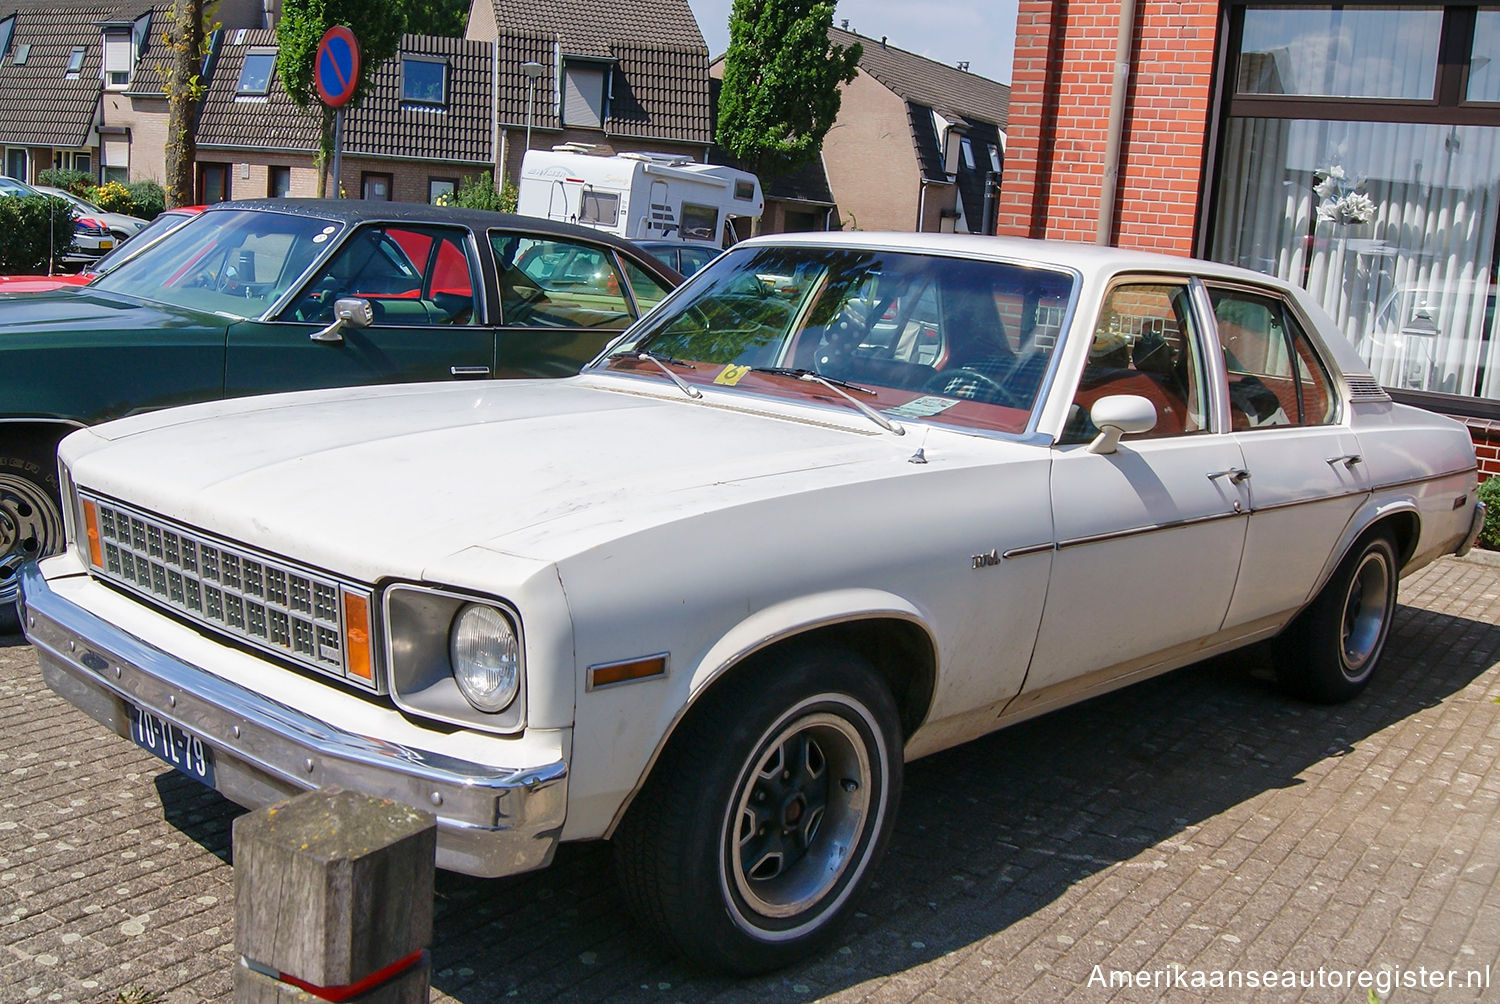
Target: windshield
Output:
[(235, 261), (955, 341), (137, 242)]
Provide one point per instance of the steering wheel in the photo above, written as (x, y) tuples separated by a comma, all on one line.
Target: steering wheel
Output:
[(994, 392)]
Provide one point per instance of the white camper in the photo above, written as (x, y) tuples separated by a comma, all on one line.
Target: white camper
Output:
[(639, 195)]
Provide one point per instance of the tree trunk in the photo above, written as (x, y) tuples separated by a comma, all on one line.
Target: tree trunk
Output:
[(183, 91), (323, 159)]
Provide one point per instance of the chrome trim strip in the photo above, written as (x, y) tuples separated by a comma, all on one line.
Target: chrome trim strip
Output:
[(493, 820), (1268, 507), (1021, 552), (1424, 480), (1135, 531)]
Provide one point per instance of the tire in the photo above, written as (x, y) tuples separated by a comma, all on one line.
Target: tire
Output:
[(767, 813), (31, 523), (1330, 651)]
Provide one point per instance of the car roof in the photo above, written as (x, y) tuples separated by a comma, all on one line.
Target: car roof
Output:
[(366, 211)]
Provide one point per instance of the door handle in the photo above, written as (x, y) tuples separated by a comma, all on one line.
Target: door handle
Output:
[(1236, 475), (1348, 460), (469, 371)]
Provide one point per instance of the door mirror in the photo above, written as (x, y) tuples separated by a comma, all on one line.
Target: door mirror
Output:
[(348, 312), (1120, 415)]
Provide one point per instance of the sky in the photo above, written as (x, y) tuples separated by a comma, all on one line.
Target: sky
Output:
[(949, 31)]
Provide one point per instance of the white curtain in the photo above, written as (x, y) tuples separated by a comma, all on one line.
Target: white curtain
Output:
[(1392, 227)]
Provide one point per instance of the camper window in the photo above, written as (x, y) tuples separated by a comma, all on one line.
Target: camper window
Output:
[(600, 209), (699, 223)]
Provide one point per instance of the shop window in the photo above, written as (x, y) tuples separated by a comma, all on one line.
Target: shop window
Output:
[(424, 80)]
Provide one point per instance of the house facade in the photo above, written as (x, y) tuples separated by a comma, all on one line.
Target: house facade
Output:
[(1354, 151)]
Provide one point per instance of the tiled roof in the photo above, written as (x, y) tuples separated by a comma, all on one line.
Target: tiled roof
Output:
[(955, 94), (592, 28), (38, 104), (381, 125)]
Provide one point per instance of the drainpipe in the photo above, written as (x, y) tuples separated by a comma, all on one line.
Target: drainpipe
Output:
[(1124, 37), (497, 135)]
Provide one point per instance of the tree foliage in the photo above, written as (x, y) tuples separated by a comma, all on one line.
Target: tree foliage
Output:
[(186, 38), (377, 25), (781, 78), (437, 17)]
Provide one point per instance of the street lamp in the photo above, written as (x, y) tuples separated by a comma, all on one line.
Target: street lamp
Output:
[(532, 71)]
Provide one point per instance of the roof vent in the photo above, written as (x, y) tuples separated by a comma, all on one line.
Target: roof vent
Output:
[(844, 23), (882, 41), (964, 65)]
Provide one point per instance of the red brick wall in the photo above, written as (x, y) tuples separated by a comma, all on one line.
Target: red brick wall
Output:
[(1486, 445), (1059, 120)]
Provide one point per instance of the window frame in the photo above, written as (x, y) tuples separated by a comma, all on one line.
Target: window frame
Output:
[(74, 66), (446, 84), (240, 90)]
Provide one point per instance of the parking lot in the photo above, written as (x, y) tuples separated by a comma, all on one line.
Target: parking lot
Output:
[(1194, 825)]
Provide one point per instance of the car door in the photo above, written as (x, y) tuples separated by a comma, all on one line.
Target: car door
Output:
[(1307, 477), (562, 300), (422, 285), (1148, 537)]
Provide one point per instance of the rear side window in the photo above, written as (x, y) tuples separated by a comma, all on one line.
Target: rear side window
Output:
[(1275, 377), (549, 282)]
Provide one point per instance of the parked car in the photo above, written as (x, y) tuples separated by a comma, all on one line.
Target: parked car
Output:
[(684, 257), (147, 235), (91, 236), (704, 599), (121, 225), (253, 297)]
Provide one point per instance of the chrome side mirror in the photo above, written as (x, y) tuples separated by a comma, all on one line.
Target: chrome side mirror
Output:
[(1120, 415), (348, 312)]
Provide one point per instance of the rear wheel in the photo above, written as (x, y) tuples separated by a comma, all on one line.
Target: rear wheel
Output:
[(31, 524), (767, 813), (1329, 653)]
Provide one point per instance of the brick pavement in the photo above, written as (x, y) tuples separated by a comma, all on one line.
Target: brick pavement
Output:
[(1199, 820)]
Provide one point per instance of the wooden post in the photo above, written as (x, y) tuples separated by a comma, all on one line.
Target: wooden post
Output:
[(333, 900)]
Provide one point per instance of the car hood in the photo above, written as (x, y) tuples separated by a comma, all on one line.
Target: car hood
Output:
[(75, 308), (384, 482)]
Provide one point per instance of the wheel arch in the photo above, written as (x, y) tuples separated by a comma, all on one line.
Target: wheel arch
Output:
[(1398, 519), (885, 630), (36, 433)]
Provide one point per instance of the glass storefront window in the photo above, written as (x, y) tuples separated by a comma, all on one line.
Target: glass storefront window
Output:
[(1392, 227), (1484, 64), (1340, 52)]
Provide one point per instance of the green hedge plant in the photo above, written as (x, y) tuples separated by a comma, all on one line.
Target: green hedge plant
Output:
[(25, 247), (1489, 494)]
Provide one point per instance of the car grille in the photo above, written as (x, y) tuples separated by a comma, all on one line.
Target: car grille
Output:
[(274, 605)]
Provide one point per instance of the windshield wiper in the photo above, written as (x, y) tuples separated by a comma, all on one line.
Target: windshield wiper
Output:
[(837, 386), (661, 363)]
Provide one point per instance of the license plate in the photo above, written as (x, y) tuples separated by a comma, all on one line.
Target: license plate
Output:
[(182, 750)]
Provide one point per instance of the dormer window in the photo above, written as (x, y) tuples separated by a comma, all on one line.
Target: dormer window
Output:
[(255, 75), (119, 58), (75, 63), (585, 93), (424, 80), (23, 53)]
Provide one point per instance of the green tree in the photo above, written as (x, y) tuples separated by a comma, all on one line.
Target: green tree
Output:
[(437, 17), (186, 38), (377, 25), (781, 79)]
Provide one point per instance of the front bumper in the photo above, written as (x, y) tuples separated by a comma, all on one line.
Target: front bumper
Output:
[(491, 821)]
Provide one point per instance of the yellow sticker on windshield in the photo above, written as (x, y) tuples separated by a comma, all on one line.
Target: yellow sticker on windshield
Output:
[(731, 375)]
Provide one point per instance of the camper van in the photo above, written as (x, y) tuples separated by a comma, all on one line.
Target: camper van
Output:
[(642, 196)]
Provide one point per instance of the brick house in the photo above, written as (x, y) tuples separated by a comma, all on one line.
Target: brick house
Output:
[(80, 86), (614, 77), (1353, 151), (423, 127)]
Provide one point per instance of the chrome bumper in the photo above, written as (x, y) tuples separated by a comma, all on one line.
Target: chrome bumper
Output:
[(491, 821), (1476, 525)]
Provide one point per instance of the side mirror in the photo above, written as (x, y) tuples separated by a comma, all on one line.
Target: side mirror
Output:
[(1120, 415), (348, 312)]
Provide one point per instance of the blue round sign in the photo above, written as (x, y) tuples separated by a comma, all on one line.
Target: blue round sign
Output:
[(336, 70)]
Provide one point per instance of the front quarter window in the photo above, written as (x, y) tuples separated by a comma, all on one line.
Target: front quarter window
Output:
[(956, 341)]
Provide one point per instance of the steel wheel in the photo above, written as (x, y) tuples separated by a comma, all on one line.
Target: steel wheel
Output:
[(1366, 613), (31, 526)]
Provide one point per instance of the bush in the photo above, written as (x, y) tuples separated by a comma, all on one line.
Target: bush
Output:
[(1489, 494), (149, 198), (77, 182), (479, 193), (112, 197), (24, 244)]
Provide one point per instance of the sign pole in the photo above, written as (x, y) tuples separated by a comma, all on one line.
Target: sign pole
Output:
[(338, 152)]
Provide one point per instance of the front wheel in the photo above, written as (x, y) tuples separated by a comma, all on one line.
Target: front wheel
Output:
[(766, 814), (1329, 653), (31, 523)]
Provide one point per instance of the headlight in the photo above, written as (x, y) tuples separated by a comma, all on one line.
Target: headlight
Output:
[(485, 656)]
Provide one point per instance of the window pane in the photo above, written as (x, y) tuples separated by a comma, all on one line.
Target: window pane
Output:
[(1340, 53), (1274, 377), (647, 289), (1392, 229), (423, 80), (255, 76), (1484, 73), (558, 284), (1144, 344)]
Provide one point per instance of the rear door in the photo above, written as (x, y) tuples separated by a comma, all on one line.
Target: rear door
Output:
[(422, 284)]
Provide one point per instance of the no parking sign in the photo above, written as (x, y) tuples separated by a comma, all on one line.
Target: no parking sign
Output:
[(336, 71)]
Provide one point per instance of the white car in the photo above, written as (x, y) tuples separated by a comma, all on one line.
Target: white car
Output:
[(121, 226), (707, 597)]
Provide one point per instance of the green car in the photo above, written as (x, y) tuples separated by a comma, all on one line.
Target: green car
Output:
[(278, 295)]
